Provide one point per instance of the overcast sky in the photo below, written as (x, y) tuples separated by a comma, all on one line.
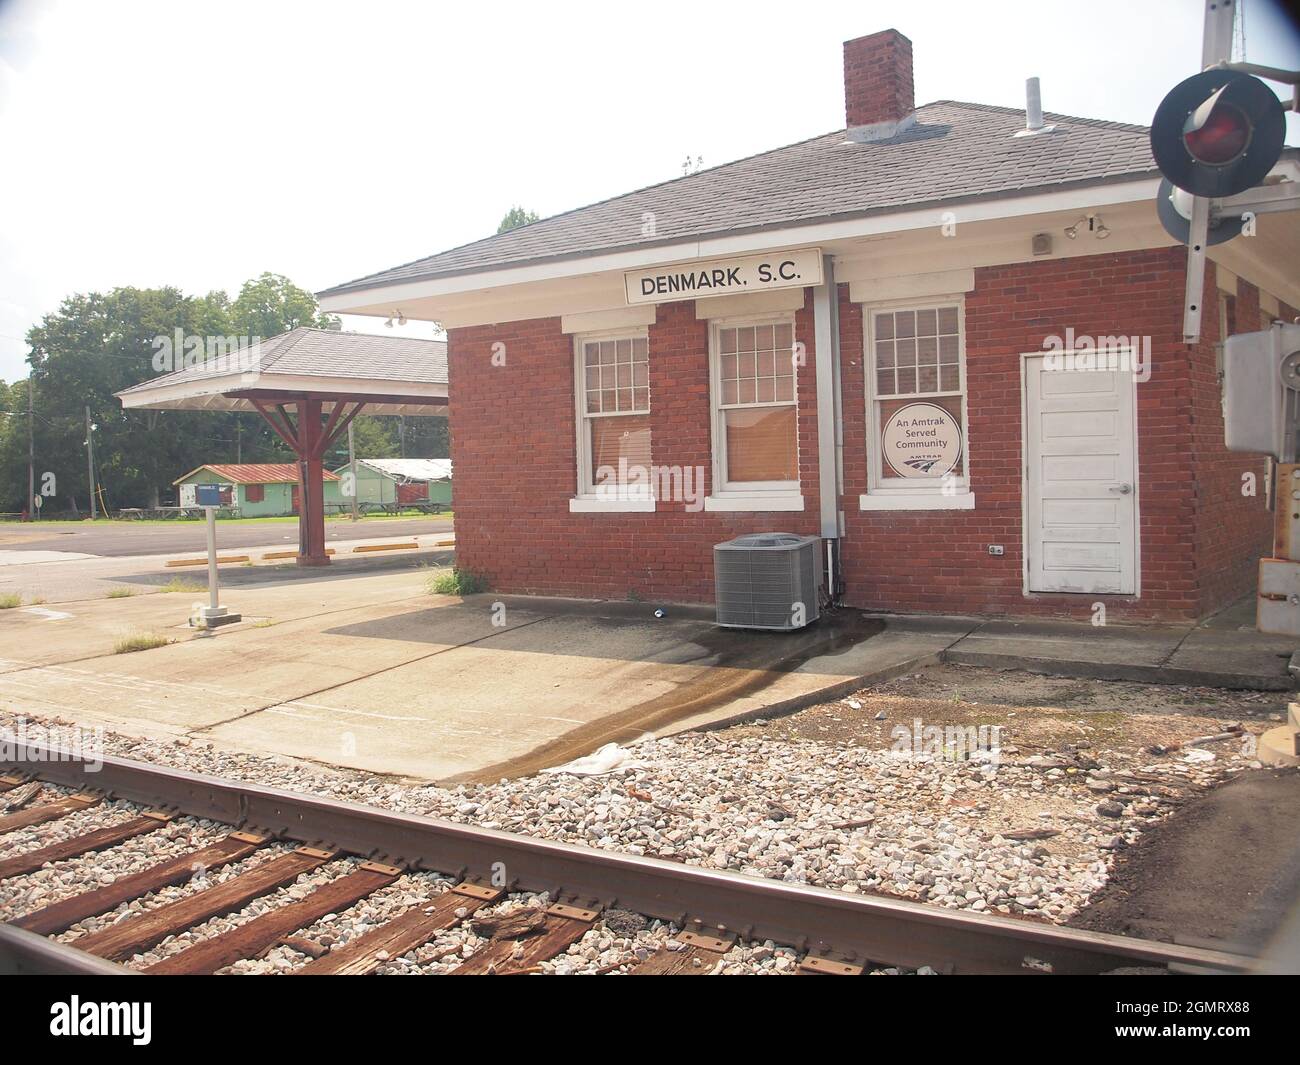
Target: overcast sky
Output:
[(198, 143)]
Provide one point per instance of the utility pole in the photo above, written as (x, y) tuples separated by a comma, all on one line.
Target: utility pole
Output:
[(31, 447), (401, 435), (352, 466), (90, 463)]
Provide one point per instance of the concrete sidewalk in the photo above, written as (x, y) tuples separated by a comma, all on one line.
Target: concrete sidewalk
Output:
[(1224, 651), (361, 667)]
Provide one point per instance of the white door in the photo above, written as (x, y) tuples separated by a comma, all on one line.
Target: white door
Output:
[(1080, 480)]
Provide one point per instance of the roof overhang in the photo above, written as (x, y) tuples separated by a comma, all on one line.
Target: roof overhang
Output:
[(989, 230), (830, 234), (237, 390)]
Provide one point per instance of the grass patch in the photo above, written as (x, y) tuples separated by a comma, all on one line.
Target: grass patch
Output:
[(8, 601), (456, 582), (180, 584), (139, 641), (120, 593)]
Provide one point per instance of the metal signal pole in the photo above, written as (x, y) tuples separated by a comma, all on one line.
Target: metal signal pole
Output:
[(31, 447), (90, 463)]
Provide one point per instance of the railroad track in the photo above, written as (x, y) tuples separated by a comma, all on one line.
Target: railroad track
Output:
[(833, 932)]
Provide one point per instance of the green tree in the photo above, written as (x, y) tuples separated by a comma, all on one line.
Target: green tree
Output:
[(516, 217), (271, 304)]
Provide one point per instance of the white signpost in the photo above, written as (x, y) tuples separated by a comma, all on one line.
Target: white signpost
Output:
[(724, 277), (208, 496)]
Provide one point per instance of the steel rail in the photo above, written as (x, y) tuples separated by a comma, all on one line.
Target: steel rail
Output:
[(24, 953), (866, 930)]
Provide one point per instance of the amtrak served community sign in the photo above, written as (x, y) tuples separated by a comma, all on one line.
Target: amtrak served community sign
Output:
[(725, 277)]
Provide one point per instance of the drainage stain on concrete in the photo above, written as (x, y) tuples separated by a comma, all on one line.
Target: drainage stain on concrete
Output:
[(735, 663)]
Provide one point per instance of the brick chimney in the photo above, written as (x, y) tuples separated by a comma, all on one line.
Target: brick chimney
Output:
[(878, 80)]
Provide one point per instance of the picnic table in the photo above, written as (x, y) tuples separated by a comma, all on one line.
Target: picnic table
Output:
[(424, 506), (163, 513)]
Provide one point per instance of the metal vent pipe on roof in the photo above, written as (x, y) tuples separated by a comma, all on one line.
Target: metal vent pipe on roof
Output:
[(1033, 105)]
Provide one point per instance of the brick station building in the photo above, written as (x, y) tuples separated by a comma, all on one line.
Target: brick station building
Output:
[(849, 337)]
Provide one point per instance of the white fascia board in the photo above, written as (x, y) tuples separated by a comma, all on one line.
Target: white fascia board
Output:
[(372, 301), (216, 387)]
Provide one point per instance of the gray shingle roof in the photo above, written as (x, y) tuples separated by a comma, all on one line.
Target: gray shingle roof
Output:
[(954, 151), (307, 352)]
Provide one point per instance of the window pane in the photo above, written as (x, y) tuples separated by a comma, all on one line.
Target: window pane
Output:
[(947, 319), (927, 351), (730, 392), (625, 399), (906, 380), (730, 367), (747, 365), (784, 337), (640, 348), (948, 349), (906, 353), (591, 354), (615, 439), (607, 352), (762, 444), (593, 376), (624, 349), (905, 323), (727, 340), (766, 364), (624, 374), (884, 353), (641, 399), (885, 326), (949, 378), (762, 337), (640, 374), (927, 379), (747, 390), (745, 338), (766, 390), (785, 389), (885, 382), (925, 323), (593, 402)]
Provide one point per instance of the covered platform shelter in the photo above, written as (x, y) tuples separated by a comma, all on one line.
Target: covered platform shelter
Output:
[(308, 384)]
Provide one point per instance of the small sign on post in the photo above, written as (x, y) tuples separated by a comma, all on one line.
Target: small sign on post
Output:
[(208, 496)]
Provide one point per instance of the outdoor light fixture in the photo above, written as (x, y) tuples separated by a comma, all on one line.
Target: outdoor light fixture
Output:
[(1095, 226)]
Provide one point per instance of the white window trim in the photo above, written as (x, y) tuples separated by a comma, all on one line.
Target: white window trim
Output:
[(896, 493), (748, 495), (589, 498)]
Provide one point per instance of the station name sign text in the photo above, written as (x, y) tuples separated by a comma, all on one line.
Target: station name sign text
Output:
[(725, 277)]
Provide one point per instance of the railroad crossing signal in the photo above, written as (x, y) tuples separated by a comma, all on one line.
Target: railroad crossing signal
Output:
[(1215, 138), (1218, 133)]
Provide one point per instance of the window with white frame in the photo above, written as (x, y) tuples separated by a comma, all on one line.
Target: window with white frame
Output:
[(613, 395), (916, 384), (756, 438)]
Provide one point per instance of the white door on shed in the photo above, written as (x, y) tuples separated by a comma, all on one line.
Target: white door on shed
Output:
[(1080, 480)]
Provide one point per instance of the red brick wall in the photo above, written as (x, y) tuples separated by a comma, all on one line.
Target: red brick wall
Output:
[(1232, 531), (513, 523), (513, 436)]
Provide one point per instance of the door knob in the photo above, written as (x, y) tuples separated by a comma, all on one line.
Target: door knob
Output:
[(1122, 489)]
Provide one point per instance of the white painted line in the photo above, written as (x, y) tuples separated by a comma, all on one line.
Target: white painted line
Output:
[(46, 613)]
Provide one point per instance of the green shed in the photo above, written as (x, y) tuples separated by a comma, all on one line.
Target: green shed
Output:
[(258, 489)]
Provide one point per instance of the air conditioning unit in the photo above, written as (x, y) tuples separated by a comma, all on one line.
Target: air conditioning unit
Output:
[(767, 581)]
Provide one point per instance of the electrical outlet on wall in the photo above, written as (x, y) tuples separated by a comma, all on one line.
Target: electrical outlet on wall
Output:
[(997, 549)]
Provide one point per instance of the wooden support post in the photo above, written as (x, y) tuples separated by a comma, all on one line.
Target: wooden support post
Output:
[(311, 486)]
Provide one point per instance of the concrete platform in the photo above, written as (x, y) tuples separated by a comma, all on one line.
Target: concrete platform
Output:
[(363, 668)]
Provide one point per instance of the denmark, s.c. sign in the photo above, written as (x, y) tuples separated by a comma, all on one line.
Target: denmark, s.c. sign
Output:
[(724, 277)]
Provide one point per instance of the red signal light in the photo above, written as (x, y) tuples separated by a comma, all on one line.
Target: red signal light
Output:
[(1221, 139)]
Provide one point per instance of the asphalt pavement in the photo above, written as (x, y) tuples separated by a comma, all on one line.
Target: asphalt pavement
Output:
[(132, 539)]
